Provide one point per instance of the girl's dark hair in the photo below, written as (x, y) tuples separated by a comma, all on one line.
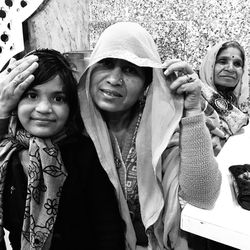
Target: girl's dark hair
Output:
[(233, 44), (52, 63)]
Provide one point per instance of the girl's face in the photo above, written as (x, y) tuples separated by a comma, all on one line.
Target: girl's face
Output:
[(43, 110), (116, 85), (228, 69)]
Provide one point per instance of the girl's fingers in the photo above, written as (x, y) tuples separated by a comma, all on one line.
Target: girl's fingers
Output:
[(20, 88), (16, 67), (22, 74), (12, 61)]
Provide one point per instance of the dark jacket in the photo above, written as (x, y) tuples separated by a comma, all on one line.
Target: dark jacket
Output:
[(88, 216)]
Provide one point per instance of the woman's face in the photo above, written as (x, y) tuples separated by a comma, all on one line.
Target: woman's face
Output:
[(43, 110), (116, 85), (228, 68)]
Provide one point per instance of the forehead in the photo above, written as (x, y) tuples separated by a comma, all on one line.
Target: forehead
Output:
[(54, 84), (230, 53)]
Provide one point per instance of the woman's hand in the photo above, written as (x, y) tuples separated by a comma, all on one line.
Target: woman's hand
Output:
[(14, 80), (187, 83)]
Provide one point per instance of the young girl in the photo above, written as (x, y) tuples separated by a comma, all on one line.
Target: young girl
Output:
[(54, 194)]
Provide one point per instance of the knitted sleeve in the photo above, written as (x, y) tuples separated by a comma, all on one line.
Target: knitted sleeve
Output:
[(199, 176)]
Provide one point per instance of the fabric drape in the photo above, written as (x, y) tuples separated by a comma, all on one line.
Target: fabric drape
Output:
[(46, 175)]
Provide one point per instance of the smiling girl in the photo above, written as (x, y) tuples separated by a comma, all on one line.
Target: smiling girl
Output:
[(48, 199)]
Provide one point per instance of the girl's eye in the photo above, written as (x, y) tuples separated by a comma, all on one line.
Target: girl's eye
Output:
[(31, 95), (60, 98)]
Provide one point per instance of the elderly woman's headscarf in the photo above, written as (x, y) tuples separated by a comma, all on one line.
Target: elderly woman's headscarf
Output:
[(232, 117), (161, 116)]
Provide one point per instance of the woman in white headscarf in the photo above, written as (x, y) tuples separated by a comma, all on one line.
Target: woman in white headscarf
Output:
[(150, 135), (226, 87)]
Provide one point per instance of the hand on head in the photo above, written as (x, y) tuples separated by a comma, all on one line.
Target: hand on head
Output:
[(187, 83), (14, 80)]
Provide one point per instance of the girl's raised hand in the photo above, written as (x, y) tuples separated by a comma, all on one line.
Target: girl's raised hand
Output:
[(14, 80)]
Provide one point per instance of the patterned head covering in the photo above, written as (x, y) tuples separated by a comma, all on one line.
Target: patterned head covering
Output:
[(161, 116)]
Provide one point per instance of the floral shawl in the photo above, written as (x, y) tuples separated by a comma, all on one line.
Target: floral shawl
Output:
[(46, 174), (232, 117), (160, 118)]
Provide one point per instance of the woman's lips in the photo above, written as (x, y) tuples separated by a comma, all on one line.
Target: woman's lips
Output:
[(111, 93)]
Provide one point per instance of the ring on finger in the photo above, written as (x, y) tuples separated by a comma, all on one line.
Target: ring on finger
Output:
[(189, 78), (9, 70)]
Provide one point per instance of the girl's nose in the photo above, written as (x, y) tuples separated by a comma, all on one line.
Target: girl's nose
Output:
[(44, 106), (115, 76)]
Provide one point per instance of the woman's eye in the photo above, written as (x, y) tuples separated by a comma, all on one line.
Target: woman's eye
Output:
[(107, 63), (238, 64), (222, 61), (130, 70)]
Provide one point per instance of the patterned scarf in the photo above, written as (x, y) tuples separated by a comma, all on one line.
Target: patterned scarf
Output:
[(46, 175), (232, 118)]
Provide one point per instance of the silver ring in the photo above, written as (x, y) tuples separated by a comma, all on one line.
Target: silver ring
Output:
[(189, 78)]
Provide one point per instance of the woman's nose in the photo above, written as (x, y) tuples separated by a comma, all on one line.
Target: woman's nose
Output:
[(44, 106), (230, 66), (115, 76)]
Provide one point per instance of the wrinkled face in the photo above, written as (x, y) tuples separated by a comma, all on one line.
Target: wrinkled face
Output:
[(228, 69), (116, 85), (43, 110)]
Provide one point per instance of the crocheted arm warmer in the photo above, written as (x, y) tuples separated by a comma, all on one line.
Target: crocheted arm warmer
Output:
[(199, 176), (4, 122)]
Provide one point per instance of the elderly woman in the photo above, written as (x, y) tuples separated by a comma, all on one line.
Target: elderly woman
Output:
[(150, 135), (226, 89)]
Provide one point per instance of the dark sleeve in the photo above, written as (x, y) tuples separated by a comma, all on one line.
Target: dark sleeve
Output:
[(4, 122), (109, 226)]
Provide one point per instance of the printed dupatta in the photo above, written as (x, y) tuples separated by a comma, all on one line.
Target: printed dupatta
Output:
[(46, 175)]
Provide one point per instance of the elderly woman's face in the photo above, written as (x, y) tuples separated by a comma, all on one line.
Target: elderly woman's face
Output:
[(228, 67), (116, 85)]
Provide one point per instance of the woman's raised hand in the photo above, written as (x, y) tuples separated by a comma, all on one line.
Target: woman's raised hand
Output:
[(14, 80), (187, 83)]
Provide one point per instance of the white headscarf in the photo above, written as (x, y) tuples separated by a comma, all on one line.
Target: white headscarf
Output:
[(161, 116), (241, 91)]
